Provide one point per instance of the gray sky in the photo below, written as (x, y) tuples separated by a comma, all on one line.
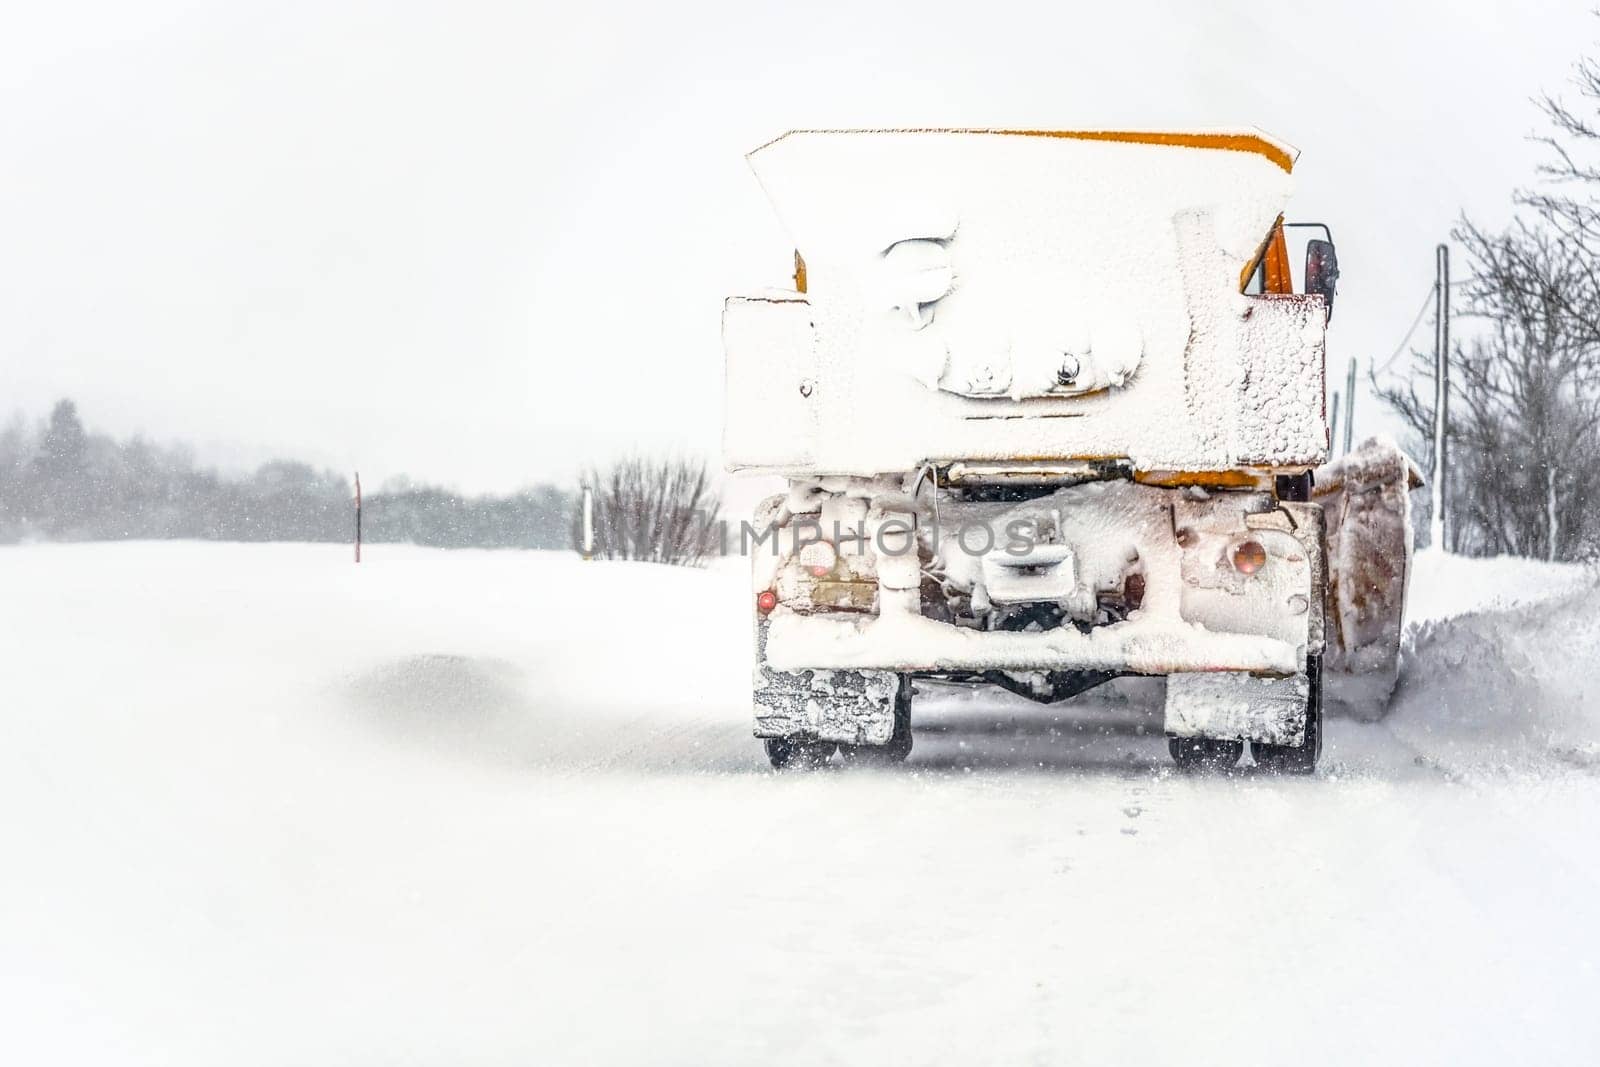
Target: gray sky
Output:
[(484, 243)]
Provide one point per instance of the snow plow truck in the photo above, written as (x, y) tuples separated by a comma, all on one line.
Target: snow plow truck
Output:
[(1050, 407)]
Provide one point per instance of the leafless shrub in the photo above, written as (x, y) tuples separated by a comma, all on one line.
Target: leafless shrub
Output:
[(659, 510)]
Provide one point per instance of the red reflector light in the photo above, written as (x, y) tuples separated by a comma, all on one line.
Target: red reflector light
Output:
[(766, 600), (1249, 557), (819, 558)]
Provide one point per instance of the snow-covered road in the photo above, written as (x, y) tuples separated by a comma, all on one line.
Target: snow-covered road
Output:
[(260, 806)]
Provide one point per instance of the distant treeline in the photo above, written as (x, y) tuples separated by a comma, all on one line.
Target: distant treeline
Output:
[(60, 482)]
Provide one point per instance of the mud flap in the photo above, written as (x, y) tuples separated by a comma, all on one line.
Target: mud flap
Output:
[(1238, 706), (1366, 498), (850, 707)]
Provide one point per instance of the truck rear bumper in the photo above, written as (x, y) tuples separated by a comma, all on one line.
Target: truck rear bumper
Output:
[(905, 643)]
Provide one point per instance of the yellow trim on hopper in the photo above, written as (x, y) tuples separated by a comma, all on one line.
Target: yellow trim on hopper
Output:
[(1231, 142)]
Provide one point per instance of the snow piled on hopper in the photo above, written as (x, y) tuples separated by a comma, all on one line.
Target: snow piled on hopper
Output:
[(977, 295)]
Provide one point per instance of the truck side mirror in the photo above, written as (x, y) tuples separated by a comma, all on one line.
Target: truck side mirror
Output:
[(1322, 271)]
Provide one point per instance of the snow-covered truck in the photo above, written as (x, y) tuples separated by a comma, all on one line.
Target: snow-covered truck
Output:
[(1049, 408)]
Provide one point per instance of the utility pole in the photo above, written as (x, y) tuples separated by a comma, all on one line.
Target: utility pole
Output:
[(1333, 444), (1441, 391), (358, 516), (1350, 407)]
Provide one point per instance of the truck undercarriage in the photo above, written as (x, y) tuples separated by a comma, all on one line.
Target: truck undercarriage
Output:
[(1046, 590)]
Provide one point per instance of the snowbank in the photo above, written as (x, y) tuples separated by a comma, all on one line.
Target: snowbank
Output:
[(1446, 585), (1498, 666)]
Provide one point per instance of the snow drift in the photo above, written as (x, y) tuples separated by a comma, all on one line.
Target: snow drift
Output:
[(1511, 680)]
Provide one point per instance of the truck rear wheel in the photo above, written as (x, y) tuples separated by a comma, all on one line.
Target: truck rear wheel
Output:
[(785, 752), (898, 747), (1301, 758), (1204, 753)]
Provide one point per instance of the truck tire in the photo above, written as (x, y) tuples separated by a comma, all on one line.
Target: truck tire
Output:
[(1204, 753), (898, 747), (1301, 758), (787, 752)]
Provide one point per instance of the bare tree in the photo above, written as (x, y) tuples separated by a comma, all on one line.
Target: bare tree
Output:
[(1568, 200), (663, 511), (1525, 396), (1570, 178), (1525, 389)]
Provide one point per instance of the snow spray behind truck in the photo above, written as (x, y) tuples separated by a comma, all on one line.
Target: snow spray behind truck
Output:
[(1049, 409)]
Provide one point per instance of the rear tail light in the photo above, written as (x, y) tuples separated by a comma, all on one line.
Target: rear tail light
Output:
[(1249, 557), (766, 600)]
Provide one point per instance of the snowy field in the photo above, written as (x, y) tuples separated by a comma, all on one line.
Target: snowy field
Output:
[(261, 806)]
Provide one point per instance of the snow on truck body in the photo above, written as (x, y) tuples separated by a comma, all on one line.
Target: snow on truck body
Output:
[(1035, 434), (949, 275)]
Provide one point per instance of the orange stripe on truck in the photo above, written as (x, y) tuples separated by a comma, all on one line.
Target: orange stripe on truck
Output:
[(1229, 142)]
